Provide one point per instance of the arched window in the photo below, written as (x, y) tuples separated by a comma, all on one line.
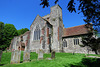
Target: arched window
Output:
[(64, 43), (37, 33)]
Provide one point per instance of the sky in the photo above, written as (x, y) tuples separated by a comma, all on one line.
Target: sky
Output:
[(21, 13)]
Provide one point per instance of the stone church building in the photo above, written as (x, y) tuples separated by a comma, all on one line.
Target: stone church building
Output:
[(48, 33)]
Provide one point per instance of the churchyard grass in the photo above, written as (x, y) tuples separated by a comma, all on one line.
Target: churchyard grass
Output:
[(61, 60)]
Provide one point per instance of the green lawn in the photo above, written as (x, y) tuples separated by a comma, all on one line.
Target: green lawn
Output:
[(61, 60)]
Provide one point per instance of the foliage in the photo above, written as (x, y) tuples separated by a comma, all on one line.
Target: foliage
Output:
[(91, 41), (45, 3), (98, 35), (7, 32), (5, 59), (1, 34), (22, 31), (87, 62), (89, 8)]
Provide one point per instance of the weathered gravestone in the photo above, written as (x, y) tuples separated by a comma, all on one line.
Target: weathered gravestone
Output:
[(40, 54), (0, 54), (53, 54), (15, 57), (26, 56)]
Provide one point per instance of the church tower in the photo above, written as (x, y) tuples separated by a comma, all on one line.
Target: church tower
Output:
[(56, 21)]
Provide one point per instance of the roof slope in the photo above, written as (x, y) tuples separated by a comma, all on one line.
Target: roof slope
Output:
[(41, 18), (77, 30)]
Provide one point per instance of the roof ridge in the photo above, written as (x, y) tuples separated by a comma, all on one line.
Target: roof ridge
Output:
[(36, 17), (75, 26), (76, 30), (45, 15)]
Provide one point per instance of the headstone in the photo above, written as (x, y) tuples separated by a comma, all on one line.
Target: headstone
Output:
[(53, 54), (15, 57), (40, 54), (26, 56), (0, 54)]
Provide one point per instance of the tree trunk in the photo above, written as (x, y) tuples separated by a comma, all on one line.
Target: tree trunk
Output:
[(96, 52)]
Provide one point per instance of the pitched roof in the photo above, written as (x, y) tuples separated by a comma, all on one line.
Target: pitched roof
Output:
[(41, 18), (77, 30), (27, 32), (35, 19)]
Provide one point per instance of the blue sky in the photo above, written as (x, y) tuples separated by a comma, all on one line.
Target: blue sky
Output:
[(21, 13)]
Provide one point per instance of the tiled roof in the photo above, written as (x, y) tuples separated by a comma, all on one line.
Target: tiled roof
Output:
[(77, 30)]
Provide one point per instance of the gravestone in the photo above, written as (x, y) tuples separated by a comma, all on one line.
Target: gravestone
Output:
[(40, 54), (26, 56), (53, 54), (15, 57), (0, 54)]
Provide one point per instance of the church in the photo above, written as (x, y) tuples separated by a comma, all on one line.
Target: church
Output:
[(48, 33)]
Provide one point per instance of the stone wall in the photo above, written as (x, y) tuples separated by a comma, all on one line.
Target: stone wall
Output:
[(35, 44), (71, 48), (51, 31), (48, 37), (16, 41), (56, 21)]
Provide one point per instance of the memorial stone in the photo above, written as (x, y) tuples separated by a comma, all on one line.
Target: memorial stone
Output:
[(53, 54), (40, 54), (15, 57), (26, 56)]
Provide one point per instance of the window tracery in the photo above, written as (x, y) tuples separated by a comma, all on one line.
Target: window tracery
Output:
[(37, 33)]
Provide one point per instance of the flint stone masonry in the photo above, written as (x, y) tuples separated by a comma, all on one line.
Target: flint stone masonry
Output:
[(15, 57), (26, 56), (51, 35), (0, 54), (55, 16), (40, 54), (71, 48)]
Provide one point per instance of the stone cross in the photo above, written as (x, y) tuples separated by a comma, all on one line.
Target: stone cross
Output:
[(40, 54), (15, 57), (0, 54), (26, 56), (52, 54)]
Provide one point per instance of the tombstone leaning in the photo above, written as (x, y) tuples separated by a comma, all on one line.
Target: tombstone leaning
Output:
[(40, 54), (26, 56), (52, 54), (15, 57), (0, 54)]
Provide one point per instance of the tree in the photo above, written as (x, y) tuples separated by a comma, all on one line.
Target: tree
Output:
[(89, 8), (92, 42), (1, 35), (98, 35), (9, 32), (22, 31)]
